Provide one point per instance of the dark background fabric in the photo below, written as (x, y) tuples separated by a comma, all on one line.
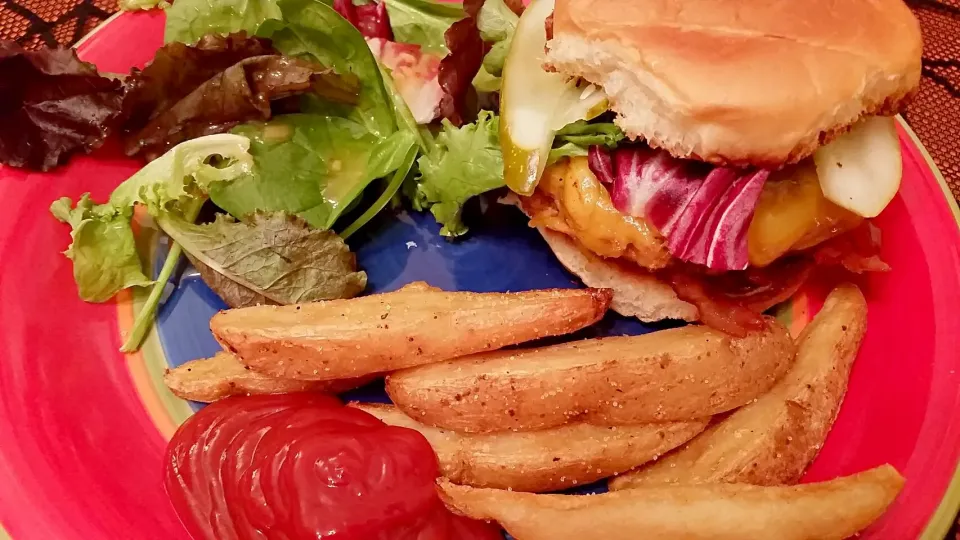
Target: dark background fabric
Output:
[(934, 114)]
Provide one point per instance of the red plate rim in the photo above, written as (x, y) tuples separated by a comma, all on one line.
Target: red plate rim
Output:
[(946, 512)]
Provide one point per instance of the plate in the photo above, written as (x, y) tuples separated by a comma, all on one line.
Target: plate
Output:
[(83, 427)]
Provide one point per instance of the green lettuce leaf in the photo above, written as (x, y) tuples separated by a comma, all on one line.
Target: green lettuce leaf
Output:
[(313, 29), (136, 5), (574, 139), (423, 22), (497, 24), (586, 134), (564, 151), (466, 162), (103, 250), (268, 259), (189, 20), (310, 165)]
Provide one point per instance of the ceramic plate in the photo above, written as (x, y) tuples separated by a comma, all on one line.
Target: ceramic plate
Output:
[(83, 427)]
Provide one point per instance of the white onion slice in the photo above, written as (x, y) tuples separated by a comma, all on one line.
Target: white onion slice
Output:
[(861, 170)]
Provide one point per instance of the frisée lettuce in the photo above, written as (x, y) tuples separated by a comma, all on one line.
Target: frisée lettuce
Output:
[(465, 162)]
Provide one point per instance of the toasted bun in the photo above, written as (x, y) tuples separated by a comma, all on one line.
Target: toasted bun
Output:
[(635, 293), (745, 82)]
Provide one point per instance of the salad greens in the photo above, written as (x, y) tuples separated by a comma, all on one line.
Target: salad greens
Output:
[(574, 139), (54, 105), (189, 20), (496, 23), (466, 162), (268, 259), (423, 22), (331, 134), (103, 251), (583, 133), (242, 92), (310, 165)]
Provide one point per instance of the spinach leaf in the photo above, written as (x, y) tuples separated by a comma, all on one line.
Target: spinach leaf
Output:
[(390, 192), (189, 20), (314, 29), (310, 165)]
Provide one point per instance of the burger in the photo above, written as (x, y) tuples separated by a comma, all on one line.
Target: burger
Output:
[(759, 144)]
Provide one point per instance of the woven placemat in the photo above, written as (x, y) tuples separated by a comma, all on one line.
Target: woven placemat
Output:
[(934, 114)]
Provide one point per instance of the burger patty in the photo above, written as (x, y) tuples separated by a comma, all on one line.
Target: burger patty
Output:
[(569, 199)]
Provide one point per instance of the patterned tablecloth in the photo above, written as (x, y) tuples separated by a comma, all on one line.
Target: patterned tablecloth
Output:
[(934, 114)]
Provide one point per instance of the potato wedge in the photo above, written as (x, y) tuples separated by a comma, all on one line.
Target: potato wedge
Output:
[(825, 511), (547, 460), (209, 379), (415, 325), (772, 440), (667, 376)]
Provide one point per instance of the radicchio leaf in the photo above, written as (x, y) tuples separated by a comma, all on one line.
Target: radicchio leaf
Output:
[(415, 71), (702, 211), (516, 6), (51, 106), (374, 21), (460, 66), (348, 11), (601, 164)]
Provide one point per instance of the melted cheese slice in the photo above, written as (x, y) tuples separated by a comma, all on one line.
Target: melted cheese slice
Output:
[(793, 214), (581, 208)]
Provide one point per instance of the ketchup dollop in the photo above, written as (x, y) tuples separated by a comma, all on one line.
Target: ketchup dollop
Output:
[(304, 466)]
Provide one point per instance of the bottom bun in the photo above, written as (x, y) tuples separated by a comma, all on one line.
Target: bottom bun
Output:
[(635, 293)]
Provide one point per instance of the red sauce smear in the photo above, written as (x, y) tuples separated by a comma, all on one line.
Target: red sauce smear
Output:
[(304, 466)]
